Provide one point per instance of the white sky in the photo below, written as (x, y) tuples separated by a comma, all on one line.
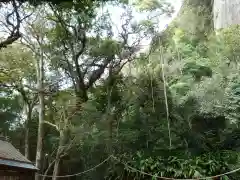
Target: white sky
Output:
[(116, 13)]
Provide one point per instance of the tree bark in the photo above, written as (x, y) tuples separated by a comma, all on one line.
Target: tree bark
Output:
[(29, 117), (58, 156), (40, 73), (62, 142), (56, 167), (109, 119), (109, 108), (47, 170)]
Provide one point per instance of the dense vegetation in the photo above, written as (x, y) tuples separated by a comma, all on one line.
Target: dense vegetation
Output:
[(75, 91)]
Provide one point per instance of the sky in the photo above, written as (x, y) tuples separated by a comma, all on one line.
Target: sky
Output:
[(116, 13)]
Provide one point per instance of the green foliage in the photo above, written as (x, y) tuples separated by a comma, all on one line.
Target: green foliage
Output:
[(105, 48), (198, 17), (16, 64), (161, 7), (228, 44), (176, 167), (197, 71), (64, 3), (232, 111), (9, 110), (125, 112)]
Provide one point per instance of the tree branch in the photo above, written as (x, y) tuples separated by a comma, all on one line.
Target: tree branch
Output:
[(15, 29), (51, 124), (97, 73)]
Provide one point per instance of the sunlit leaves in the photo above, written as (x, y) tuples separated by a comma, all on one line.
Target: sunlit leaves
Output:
[(196, 70), (17, 64), (151, 5), (105, 48), (182, 166), (145, 25)]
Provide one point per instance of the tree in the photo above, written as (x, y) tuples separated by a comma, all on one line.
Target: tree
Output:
[(42, 1), (83, 61), (222, 14), (17, 74), (173, 112), (200, 75), (9, 110), (13, 19), (78, 55), (35, 40)]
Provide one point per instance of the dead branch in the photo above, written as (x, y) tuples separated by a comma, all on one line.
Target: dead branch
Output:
[(13, 22)]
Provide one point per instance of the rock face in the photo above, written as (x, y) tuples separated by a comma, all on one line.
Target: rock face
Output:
[(226, 13)]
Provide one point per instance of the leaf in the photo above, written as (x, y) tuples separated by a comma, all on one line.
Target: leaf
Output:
[(225, 178), (197, 174)]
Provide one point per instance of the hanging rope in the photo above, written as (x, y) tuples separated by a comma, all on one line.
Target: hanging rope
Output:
[(165, 96), (152, 88), (80, 173), (167, 178), (139, 171)]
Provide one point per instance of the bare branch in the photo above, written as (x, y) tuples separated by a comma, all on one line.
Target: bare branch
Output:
[(13, 26), (51, 124)]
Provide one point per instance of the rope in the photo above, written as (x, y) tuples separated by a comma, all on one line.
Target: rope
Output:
[(142, 172), (167, 178), (165, 97), (80, 173)]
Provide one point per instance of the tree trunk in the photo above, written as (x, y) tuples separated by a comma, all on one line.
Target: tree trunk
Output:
[(26, 149), (47, 170), (58, 156), (109, 119), (56, 167), (62, 142), (40, 73), (110, 85), (28, 119), (226, 13)]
